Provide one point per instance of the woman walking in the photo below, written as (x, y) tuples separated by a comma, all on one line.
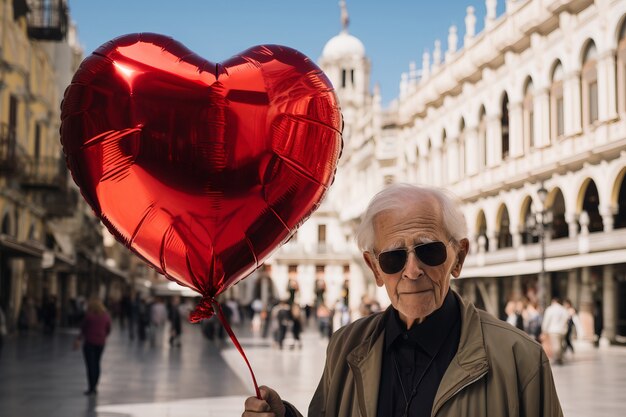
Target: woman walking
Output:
[(93, 333)]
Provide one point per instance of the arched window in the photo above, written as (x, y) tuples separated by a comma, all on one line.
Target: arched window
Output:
[(505, 239), (344, 78), (6, 224), (481, 231), (619, 220), (559, 225), (589, 83), (529, 232), (462, 156), (557, 120), (591, 203), (504, 123), (482, 138), (621, 68), (529, 115)]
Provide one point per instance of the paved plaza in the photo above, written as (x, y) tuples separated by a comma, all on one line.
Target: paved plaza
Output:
[(41, 376)]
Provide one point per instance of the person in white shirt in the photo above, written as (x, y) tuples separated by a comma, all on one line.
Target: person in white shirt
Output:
[(554, 325), (158, 317)]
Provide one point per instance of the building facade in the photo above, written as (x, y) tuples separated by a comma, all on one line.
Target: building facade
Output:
[(51, 245), (526, 123)]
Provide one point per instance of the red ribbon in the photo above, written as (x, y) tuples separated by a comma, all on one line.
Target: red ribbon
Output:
[(207, 307)]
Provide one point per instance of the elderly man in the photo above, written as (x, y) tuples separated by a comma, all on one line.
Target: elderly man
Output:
[(430, 353)]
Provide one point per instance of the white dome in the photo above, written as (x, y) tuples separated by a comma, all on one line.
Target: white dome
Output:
[(342, 46)]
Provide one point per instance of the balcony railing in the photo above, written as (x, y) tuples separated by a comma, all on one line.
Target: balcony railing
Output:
[(42, 172), (62, 203), (47, 20), (8, 162)]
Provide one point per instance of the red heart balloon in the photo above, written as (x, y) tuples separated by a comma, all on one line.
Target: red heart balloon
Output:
[(201, 169)]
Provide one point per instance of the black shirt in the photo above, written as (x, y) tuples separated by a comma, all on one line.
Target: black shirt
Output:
[(424, 351)]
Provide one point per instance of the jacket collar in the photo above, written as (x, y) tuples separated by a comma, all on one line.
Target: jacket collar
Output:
[(468, 365)]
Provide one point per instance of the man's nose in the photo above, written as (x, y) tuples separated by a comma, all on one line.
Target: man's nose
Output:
[(413, 268)]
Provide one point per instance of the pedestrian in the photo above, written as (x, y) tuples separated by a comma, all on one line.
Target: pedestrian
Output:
[(554, 326), (176, 325), (431, 352), (292, 288), (143, 317), (320, 290), (296, 329), (27, 317), (513, 310), (94, 330), (126, 312), (281, 319), (573, 317), (598, 322), (158, 317), (323, 320), (49, 312), (532, 320), (235, 309)]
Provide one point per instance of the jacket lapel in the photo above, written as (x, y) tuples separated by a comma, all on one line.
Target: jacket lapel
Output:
[(365, 362), (470, 362)]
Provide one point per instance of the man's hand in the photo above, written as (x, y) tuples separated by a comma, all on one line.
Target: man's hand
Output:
[(270, 406)]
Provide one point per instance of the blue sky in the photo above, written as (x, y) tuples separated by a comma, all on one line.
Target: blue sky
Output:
[(394, 32)]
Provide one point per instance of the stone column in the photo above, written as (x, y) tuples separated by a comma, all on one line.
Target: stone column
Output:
[(572, 286), (607, 100), (471, 150), (585, 309), (547, 282), (494, 297), (572, 224), (572, 103), (494, 141), (516, 132), (493, 240), (517, 287), (453, 160), (436, 55), (469, 290), (607, 214), (490, 16), (609, 305), (473, 244), (470, 25), (482, 243), (425, 66), (452, 43), (542, 118), (435, 169)]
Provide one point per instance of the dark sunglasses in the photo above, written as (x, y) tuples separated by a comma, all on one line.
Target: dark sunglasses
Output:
[(431, 254)]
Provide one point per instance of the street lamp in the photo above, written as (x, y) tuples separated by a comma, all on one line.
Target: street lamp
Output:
[(537, 222)]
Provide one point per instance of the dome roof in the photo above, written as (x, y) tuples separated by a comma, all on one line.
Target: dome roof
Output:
[(342, 46)]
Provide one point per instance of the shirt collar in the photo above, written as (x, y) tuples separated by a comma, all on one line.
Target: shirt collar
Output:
[(429, 334)]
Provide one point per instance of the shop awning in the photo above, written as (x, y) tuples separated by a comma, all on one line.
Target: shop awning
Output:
[(12, 248), (112, 271)]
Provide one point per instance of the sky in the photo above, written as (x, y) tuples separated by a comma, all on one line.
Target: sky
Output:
[(394, 32)]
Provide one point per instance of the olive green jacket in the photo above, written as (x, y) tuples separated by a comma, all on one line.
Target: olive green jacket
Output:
[(497, 371)]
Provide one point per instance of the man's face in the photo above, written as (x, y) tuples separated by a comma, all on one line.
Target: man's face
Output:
[(418, 289)]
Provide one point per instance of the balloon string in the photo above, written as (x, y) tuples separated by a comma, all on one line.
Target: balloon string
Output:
[(220, 315)]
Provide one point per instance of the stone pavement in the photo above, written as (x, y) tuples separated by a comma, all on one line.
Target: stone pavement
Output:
[(43, 377)]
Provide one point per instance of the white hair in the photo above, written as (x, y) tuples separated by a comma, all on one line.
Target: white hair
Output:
[(397, 196)]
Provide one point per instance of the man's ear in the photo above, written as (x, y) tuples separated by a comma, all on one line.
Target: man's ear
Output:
[(460, 257), (371, 263)]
